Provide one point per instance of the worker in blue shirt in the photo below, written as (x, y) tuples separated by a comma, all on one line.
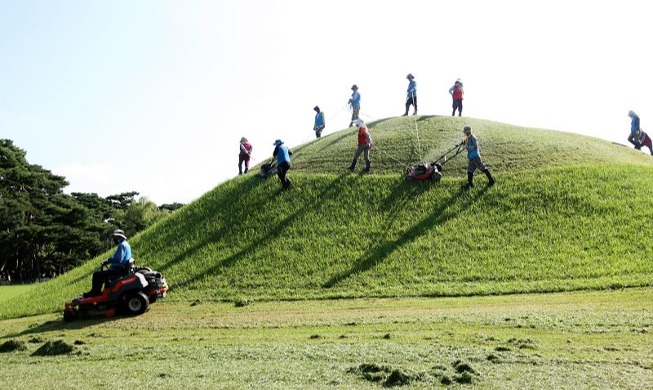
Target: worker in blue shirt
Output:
[(634, 130), (474, 157), (319, 123), (355, 104), (118, 264), (282, 153), (411, 94)]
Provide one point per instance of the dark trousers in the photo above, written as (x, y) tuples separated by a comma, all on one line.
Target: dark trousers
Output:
[(457, 105), (318, 131), (634, 139), (99, 277), (282, 170), (411, 101), (243, 158)]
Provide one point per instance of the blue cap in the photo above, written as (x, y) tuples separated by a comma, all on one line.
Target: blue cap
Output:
[(277, 142)]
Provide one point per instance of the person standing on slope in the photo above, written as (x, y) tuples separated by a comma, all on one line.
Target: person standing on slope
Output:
[(457, 93), (364, 145), (474, 156), (319, 123), (244, 155), (411, 94), (282, 153), (355, 104), (634, 130)]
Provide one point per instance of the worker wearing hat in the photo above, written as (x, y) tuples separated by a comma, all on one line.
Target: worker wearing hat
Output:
[(474, 157), (411, 94), (634, 130), (118, 264), (244, 155), (319, 123), (282, 154), (355, 104), (364, 145)]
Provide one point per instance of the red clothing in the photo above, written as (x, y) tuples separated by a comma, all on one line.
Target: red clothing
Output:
[(363, 136), (247, 146), (458, 92)]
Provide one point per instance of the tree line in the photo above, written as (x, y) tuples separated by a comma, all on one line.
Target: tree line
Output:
[(44, 232)]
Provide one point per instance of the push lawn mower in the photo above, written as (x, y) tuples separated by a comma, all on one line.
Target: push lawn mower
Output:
[(432, 171), (268, 169), (131, 293)]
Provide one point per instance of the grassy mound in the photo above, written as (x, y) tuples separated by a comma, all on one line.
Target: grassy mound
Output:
[(568, 212)]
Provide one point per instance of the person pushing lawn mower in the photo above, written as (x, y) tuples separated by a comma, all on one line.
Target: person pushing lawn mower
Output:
[(474, 156)]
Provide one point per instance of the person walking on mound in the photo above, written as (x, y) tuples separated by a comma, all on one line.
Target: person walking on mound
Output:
[(645, 140), (319, 123), (411, 94), (364, 145), (457, 93), (355, 104), (634, 130), (474, 156), (244, 155), (282, 153)]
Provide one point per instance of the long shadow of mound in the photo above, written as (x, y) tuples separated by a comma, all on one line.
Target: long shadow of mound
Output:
[(385, 248)]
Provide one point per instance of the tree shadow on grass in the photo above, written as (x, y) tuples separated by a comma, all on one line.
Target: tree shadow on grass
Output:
[(276, 231), (385, 248)]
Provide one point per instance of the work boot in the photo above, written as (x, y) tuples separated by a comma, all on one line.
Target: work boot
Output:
[(470, 181), (490, 179), (351, 168), (246, 169)]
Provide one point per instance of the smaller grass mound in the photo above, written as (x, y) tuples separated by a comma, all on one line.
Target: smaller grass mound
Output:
[(12, 345), (54, 348)]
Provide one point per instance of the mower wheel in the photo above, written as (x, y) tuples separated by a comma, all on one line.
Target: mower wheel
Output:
[(136, 303), (68, 315)]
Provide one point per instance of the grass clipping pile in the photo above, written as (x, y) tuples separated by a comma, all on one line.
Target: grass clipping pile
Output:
[(54, 348), (387, 376)]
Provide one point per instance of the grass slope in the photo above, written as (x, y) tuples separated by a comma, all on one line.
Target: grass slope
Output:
[(568, 212)]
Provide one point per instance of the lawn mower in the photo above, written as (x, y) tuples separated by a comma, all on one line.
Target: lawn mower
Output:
[(268, 169), (432, 171), (131, 293)]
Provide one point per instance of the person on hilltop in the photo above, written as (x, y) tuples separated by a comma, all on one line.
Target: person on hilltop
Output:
[(411, 94), (457, 93), (244, 155), (474, 157), (364, 145), (319, 123), (645, 140), (118, 264), (355, 104), (282, 153), (633, 138)]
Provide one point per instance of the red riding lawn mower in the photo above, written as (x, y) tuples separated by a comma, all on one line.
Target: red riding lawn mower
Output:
[(131, 293)]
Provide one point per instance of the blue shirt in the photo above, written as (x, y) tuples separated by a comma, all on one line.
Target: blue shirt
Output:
[(319, 119), (472, 147), (355, 99), (282, 153), (412, 89), (122, 255), (634, 124)]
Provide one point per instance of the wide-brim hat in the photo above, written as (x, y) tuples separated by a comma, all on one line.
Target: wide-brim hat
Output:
[(277, 142), (119, 233), (467, 129), (354, 87), (410, 76), (243, 139)]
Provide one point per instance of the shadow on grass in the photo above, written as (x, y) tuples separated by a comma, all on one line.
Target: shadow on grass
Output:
[(385, 248), (59, 325), (275, 232)]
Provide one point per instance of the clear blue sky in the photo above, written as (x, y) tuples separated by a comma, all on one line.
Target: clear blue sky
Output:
[(153, 96)]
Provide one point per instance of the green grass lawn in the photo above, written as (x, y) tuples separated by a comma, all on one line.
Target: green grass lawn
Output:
[(568, 213), (577, 340), (13, 290)]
